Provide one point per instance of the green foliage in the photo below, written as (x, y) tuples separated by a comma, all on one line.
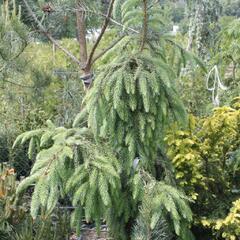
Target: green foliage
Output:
[(162, 202), (18, 96), (228, 42), (56, 227), (13, 38), (9, 129), (131, 101), (195, 95), (95, 185), (231, 7), (228, 57), (56, 87), (206, 159), (235, 161), (184, 152), (49, 88), (15, 220), (229, 227), (133, 16), (142, 231), (203, 25), (46, 170), (69, 162)]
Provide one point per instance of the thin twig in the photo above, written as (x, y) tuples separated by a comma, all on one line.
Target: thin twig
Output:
[(104, 51), (104, 27), (18, 84), (110, 19), (121, 25)]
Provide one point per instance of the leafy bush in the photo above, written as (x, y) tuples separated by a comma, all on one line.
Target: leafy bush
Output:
[(206, 159), (230, 226)]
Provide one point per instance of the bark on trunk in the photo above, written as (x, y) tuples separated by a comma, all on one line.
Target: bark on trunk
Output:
[(87, 77), (81, 32)]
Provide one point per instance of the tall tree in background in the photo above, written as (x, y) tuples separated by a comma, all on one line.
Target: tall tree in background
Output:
[(203, 15), (13, 38)]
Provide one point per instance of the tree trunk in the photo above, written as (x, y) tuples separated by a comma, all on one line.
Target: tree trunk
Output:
[(81, 31), (87, 77)]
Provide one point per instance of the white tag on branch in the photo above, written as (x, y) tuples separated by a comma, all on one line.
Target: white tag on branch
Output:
[(135, 163), (217, 85)]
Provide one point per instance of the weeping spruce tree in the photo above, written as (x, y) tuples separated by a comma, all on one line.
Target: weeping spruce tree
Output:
[(111, 163)]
